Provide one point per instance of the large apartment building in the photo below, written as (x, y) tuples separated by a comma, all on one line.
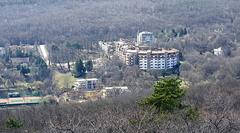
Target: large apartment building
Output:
[(148, 58), (144, 56), (158, 59)]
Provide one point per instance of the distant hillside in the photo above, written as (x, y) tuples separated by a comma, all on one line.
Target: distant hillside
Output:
[(28, 21)]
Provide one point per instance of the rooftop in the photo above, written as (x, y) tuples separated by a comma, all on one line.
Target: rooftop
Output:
[(145, 50), (90, 79), (145, 32)]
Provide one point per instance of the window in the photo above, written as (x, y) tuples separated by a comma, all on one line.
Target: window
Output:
[(89, 85), (94, 85)]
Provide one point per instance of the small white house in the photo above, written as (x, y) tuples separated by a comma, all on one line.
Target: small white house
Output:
[(86, 84), (2, 51), (218, 51)]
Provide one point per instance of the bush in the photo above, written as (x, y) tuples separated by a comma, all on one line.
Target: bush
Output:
[(14, 123)]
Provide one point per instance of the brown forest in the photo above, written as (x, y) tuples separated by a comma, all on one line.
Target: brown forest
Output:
[(214, 81)]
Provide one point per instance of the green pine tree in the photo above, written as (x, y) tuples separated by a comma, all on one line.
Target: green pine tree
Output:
[(167, 95), (24, 70), (89, 66), (79, 69)]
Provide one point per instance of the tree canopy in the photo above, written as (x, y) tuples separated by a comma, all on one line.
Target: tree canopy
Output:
[(89, 65), (14, 123), (167, 95), (79, 69)]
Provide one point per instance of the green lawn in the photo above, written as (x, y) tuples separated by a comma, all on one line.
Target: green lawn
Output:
[(64, 80)]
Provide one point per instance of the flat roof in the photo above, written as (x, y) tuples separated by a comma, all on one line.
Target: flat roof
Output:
[(132, 51), (158, 51), (89, 79), (145, 32), (21, 100)]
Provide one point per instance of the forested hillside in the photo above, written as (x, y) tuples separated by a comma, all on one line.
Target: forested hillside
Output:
[(68, 27), (30, 21)]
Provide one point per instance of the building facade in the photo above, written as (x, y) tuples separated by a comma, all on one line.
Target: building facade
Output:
[(218, 51), (145, 38), (107, 47), (18, 61), (86, 84), (2, 51), (142, 54), (151, 59), (22, 48)]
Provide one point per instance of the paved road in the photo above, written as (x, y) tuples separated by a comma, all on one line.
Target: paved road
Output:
[(42, 49)]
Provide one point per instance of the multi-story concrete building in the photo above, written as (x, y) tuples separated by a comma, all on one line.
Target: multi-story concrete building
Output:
[(155, 59), (17, 61), (145, 38), (121, 49), (107, 47), (131, 57), (22, 48), (143, 55)]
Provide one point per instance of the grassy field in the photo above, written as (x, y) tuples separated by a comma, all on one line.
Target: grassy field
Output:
[(64, 80)]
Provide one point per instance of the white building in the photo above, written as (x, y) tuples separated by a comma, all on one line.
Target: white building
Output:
[(150, 59), (131, 57), (218, 51), (158, 59), (114, 91), (20, 60), (141, 54), (86, 84), (145, 38), (2, 51)]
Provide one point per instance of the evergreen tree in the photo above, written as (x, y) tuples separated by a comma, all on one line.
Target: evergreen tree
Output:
[(167, 95), (89, 66), (54, 48), (19, 53), (13, 123), (79, 69), (39, 62), (42, 69), (24, 70)]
